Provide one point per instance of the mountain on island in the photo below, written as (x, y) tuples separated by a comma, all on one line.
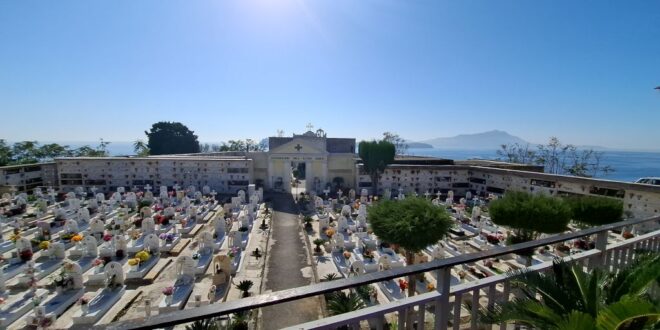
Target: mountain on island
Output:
[(486, 140), (418, 145)]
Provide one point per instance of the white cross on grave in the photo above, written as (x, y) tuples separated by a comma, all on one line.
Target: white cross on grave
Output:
[(298, 147), (147, 187), (309, 126)]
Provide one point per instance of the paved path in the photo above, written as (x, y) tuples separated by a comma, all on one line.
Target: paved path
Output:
[(287, 258)]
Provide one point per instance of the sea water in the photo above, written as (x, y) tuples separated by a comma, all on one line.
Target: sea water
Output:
[(627, 165)]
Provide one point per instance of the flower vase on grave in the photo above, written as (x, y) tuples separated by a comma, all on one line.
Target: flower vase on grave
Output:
[(84, 308), (168, 299)]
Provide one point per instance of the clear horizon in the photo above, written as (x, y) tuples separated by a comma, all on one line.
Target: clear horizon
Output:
[(582, 71)]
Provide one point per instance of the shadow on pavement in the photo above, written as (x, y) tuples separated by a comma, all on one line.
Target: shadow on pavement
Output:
[(282, 202)]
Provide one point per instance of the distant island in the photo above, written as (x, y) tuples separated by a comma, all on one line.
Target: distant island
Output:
[(486, 140), (419, 145)]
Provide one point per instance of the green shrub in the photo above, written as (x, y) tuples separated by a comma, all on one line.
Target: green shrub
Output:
[(595, 211), (530, 215)]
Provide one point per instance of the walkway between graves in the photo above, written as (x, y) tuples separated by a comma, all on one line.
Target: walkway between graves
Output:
[(288, 267)]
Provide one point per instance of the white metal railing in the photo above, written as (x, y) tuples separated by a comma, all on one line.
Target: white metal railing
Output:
[(494, 289), (444, 304)]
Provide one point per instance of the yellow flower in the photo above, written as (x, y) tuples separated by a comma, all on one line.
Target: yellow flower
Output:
[(44, 245), (330, 232), (77, 238), (133, 261), (430, 287), (143, 256)]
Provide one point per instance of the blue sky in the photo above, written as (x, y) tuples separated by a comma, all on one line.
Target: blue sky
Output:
[(580, 70)]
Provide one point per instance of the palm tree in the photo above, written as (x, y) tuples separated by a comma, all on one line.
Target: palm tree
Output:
[(140, 148), (331, 277), (341, 302), (245, 287), (205, 324), (571, 298)]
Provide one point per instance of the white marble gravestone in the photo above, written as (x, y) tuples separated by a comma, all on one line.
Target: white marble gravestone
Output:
[(106, 298), (183, 286), (146, 211), (71, 226)]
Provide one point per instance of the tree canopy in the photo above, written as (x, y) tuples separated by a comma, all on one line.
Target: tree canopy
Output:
[(171, 138), (556, 158), (413, 223), (30, 152), (400, 144), (595, 211), (376, 155), (530, 215)]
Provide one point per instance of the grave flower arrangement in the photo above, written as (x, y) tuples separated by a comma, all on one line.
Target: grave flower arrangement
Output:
[(134, 262), (195, 256), (563, 248), (83, 301), (430, 287), (233, 252), (43, 245), (107, 237), (627, 235), (14, 237), (403, 285), (44, 322), (98, 262), (143, 256), (67, 236), (330, 232), (347, 255), (25, 255), (493, 239), (160, 219), (168, 238), (367, 254), (168, 290), (119, 254), (76, 238)]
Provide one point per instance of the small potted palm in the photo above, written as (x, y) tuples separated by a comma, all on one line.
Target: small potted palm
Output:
[(318, 242), (245, 287)]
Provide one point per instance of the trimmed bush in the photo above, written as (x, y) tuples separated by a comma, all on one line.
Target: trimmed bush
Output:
[(595, 211), (530, 215)]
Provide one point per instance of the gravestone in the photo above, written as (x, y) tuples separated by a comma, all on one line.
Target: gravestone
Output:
[(90, 246), (387, 194), (97, 226), (83, 214), (56, 250), (115, 274), (152, 243), (236, 239), (219, 225), (146, 211), (206, 242), (71, 226), (148, 226), (438, 252)]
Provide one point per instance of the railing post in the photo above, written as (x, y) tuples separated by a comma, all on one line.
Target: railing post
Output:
[(601, 245), (442, 304)]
